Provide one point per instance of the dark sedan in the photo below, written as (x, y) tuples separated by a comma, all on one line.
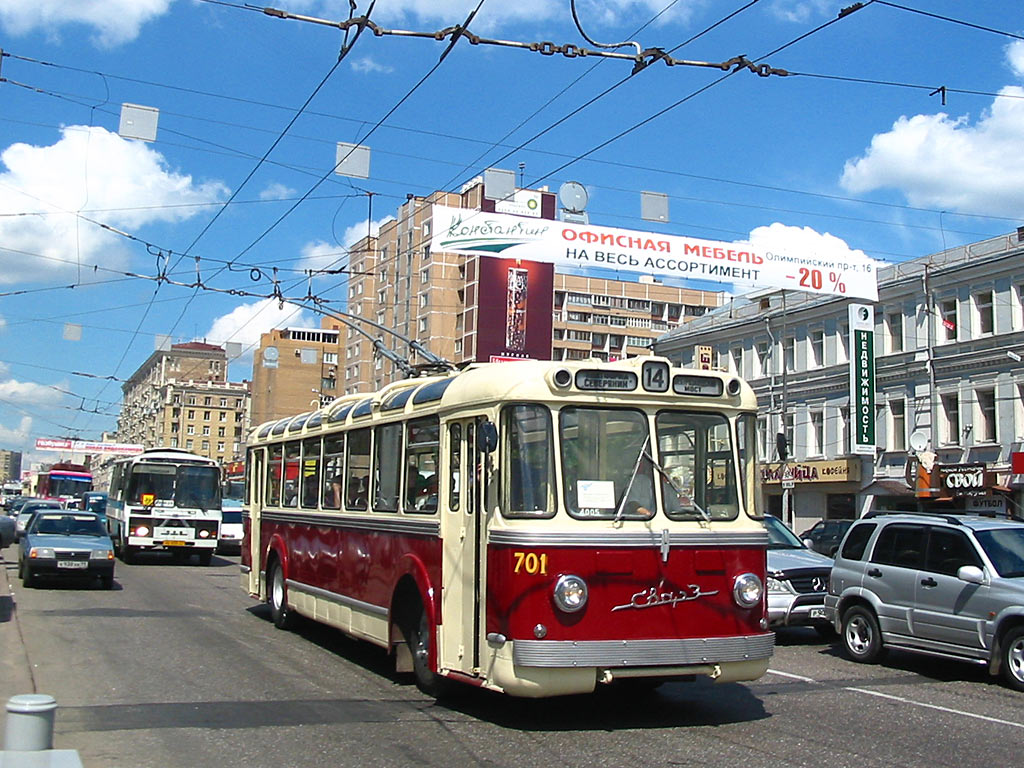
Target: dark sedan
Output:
[(824, 536), (63, 543)]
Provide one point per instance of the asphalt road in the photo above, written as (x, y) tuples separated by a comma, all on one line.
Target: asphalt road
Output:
[(177, 667)]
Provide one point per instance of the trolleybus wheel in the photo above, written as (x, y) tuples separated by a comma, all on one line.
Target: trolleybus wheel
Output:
[(420, 639), (278, 598), (1012, 649)]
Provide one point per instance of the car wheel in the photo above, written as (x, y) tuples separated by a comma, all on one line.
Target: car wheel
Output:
[(1013, 658), (107, 580), (419, 637), (277, 596), (862, 638), (28, 579)]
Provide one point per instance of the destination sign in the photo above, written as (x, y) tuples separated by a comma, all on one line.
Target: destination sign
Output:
[(697, 385), (618, 381)]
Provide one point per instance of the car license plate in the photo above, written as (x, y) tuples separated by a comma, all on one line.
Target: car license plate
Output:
[(817, 613), (72, 564), (174, 543)]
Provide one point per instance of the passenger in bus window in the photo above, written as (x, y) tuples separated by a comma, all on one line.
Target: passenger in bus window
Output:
[(360, 495), (335, 495)]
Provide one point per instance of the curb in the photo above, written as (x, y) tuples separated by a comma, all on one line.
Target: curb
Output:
[(15, 674)]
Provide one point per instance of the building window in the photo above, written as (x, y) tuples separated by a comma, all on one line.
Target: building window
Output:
[(188, 445), (424, 276), (985, 418), (736, 359), (947, 317), (174, 442), (762, 437), (221, 432), (789, 432), (897, 425), (1018, 309), (223, 402), (222, 416), (424, 300), (206, 445), (843, 430), (894, 328), (190, 430), (817, 433), (206, 430), (984, 313), (220, 447), (843, 347), (763, 359), (789, 353), (950, 419), (207, 400), (817, 349), (330, 358), (206, 415)]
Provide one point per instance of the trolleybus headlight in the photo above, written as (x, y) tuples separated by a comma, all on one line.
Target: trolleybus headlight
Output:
[(747, 590), (570, 593), (142, 531), (562, 378), (733, 387)]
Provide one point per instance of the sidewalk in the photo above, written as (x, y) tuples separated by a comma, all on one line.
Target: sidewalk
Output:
[(15, 676)]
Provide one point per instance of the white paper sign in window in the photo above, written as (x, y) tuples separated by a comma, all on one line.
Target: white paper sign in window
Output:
[(596, 494)]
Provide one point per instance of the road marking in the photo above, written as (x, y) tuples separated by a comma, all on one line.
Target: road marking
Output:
[(903, 700)]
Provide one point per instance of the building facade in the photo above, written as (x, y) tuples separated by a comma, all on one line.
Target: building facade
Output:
[(10, 466), (180, 398), (295, 370), (452, 303), (948, 391)]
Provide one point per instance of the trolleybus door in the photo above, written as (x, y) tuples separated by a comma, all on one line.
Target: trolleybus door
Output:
[(462, 536), (254, 501)]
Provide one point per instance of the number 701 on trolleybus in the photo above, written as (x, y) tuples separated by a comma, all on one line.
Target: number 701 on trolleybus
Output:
[(536, 528)]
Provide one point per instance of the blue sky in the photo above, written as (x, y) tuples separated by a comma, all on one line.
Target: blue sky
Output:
[(853, 151)]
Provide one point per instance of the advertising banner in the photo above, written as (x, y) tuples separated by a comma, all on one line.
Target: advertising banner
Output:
[(862, 378), (85, 446), (514, 309), (463, 230)]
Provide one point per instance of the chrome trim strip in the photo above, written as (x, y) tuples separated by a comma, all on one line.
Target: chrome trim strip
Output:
[(645, 539), (641, 653), (334, 597), (427, 527)]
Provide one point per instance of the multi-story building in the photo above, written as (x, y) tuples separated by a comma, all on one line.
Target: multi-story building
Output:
[(948, 394), (10, 466), (451, 303), (180, 398), (295, 370)]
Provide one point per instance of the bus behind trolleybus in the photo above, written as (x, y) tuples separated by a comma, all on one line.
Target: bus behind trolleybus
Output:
[(165, 499), (536, 528)]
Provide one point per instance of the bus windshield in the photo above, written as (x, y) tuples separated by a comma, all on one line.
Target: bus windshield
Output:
[(170, 485)]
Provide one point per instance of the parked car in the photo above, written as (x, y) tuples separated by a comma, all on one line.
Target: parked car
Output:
[(62, 543), (797, 580), (824, 536), (26, 511), (944, 585), (6, 530)]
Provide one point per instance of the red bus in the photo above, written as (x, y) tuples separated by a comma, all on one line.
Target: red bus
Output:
[(63, 481), (536, 528)]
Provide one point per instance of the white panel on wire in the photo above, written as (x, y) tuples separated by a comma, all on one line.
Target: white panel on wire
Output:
[(162, 343), (138, 122), (72, 332), (233, 349), (499, 184), (352, 160), (654, 206)]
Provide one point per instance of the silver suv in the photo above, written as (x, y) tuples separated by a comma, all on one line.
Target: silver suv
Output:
[(945, 585)]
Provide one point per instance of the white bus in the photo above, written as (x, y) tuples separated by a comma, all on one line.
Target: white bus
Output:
[(165, 499)]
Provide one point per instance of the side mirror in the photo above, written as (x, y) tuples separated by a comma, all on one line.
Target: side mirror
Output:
[(487, 437), (972, 574), (808, 543)]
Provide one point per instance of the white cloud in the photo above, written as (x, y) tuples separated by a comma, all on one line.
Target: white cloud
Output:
[(276, 191), (952, 163), (367, 65), (3, 327), (12, 439), (802, 11), (322, 255), (28, 393), (88, 168), (804, 241), (114, 21), (246, 322)]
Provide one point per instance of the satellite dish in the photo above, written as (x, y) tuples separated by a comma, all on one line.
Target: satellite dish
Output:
[(918, 440), (270, 353), (573, 196)]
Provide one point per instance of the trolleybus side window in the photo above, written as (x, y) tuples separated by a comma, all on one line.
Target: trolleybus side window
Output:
[(387, 467), (358, 481), (606, 474), (454, 465), (696, 455), (529, 461), (276, 467), (422, 448), (290, 496), (310, 483), (334, 471)]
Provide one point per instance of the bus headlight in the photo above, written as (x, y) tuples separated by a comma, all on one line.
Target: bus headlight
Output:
[(747, 590), (46, 553), (570, 593), (204, 534), (141, 530)]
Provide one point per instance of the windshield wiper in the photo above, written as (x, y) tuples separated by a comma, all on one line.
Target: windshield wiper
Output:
[(671, 481)]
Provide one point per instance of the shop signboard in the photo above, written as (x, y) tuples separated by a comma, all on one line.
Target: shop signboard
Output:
[(961, 479)]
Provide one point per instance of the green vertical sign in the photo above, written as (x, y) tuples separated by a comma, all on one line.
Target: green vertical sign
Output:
[(862, 378)]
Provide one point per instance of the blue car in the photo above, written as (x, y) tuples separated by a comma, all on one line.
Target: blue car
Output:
[(66, 544)]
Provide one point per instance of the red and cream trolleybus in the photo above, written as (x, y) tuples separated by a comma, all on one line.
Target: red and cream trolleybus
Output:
[(536, 528)]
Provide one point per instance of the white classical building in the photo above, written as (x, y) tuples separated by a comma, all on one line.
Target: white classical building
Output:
[(949, 382)]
